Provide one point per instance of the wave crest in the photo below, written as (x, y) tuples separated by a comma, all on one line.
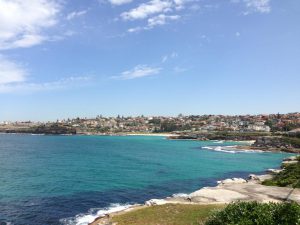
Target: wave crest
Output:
[(230, 149), (85, 219)]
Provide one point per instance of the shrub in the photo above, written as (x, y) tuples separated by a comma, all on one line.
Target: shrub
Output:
[(254, 213), (289, 177)]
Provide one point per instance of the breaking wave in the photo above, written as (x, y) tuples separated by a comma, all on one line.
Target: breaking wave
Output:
[(230, 149), (85, 219)]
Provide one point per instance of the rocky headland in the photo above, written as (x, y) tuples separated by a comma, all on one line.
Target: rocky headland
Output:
[(274, 144)]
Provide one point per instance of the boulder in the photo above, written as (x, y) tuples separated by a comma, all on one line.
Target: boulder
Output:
[(284, 163), (152, 202), (292, 158), (232, 181), (274, 171), (253, 177)]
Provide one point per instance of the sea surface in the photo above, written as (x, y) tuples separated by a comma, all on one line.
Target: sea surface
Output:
[(72, 179)]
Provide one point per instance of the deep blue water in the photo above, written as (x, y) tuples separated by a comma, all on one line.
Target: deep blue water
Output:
[(44, 179)]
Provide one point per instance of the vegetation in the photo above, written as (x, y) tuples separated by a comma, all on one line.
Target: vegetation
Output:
[(254, 213), (169, 214), (289, 177), (221, 135), (252, 134), (239, 213), (294, 141)]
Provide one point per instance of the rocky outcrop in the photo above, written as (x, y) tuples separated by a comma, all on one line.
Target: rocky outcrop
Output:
[(271, 142), (232, 181), (152, 202)]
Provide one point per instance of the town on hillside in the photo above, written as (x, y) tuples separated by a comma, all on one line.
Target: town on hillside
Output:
[(191, 124)]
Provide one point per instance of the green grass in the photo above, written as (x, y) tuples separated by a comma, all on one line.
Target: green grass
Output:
[(254, 213), (169, 214), (289, 177)]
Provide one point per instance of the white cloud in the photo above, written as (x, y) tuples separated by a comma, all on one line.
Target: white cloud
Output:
[(64, 83), (28, 40), (237, 34), (76, 14), (161, 20), (147, 9), (135, 29), (138, 72), (10, 72), (261, 6), (165, 58), (178, 69), (156, 13), (22, 22), (152, 22), (119, 2)]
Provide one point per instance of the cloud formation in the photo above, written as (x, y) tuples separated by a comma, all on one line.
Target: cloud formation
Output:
[(65, 83), (119, 2), (155, 12), (165, 58), (22, 22), (145, 10), (138, 72), (10, 72), (161, 20), (152, 22), (76, 14), (259, 6)]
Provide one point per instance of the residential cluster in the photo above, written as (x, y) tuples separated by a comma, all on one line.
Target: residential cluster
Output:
[(154, 124)]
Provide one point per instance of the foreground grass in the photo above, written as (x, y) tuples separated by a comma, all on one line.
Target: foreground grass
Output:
[(169, 214), (289, 177)]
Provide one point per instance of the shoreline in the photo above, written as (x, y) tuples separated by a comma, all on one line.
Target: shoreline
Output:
[(95, 134), (267, 149), (225, 192)]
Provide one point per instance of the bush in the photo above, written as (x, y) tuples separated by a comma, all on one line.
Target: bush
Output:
[(254, 213), (294, 141), (289, 177)]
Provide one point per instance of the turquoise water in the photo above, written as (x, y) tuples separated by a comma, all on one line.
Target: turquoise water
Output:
[(44, 179)]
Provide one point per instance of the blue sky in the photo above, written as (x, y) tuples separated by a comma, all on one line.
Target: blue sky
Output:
[(61, 59)]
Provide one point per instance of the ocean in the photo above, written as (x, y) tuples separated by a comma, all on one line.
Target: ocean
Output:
[(73, 179)]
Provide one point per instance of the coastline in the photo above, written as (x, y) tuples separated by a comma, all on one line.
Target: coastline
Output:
[(95, 134), (267, 149), (225, 192), (152, 134)]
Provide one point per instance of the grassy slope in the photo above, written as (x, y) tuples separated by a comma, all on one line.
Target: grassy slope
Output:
[(169, 214)]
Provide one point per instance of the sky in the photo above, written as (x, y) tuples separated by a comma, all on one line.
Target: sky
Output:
[(62, 59)]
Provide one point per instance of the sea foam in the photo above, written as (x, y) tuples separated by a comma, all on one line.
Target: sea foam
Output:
[(85, 219), (230, 149)]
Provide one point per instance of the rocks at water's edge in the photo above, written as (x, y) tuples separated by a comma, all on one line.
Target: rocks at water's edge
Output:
[(232, 181)]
